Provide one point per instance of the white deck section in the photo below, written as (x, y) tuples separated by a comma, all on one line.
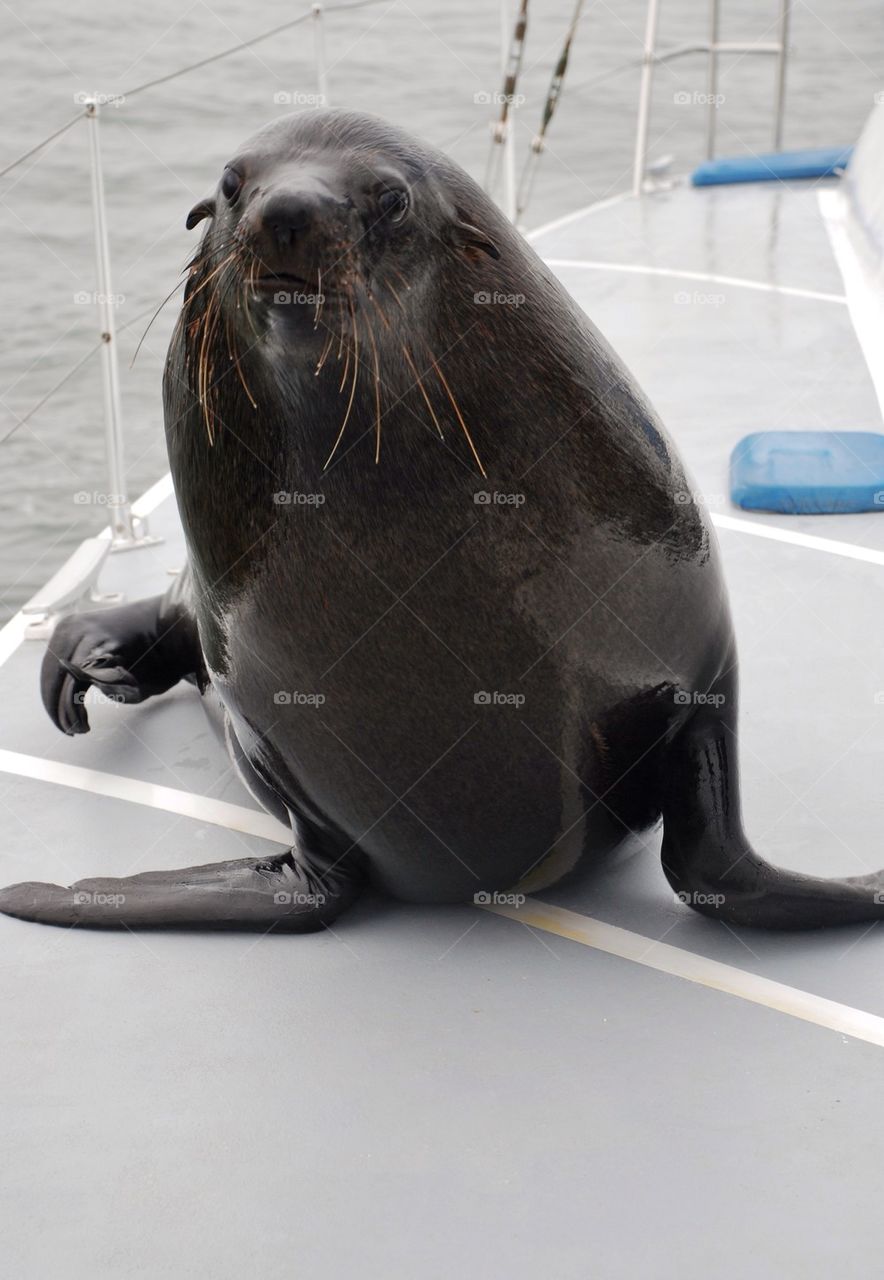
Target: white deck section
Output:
[(428, 1092)]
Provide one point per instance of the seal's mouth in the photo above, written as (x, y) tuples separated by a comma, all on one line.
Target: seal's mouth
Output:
[(283, 281)]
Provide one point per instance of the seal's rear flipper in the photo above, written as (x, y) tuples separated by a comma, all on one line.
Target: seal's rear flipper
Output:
[(279, 893), (129, 654), (707, 857)]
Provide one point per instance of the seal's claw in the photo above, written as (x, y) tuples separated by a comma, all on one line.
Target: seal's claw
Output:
[(63, 683), (80, 654), (67, 709), (128, 654)]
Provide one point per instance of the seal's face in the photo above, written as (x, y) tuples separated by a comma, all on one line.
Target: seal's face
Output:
[(333, 239), (309, 222), (326, 205)]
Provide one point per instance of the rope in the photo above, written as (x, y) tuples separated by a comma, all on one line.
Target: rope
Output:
[(549, 107), (514, 64), (510, 80)]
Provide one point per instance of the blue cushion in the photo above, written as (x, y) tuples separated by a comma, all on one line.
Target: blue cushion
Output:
[(809, 472), (819, 162)]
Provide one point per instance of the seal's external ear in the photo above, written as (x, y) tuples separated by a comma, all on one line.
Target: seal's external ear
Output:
[(204, 208), (465, 236)]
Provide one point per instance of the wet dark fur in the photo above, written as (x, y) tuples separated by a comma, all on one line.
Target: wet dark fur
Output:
[(554, 416)]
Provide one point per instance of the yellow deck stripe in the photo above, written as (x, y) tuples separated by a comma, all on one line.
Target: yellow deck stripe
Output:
[(696, 968)]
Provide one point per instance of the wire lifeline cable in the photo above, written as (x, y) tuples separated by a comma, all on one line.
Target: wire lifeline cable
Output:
[(346, 7), (193, 66), (49, 394), (40, 145), (75, 368)]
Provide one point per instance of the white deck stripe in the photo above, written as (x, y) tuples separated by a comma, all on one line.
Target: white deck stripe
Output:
[(11, 636), (850, 550), (696, 968), (567, 218), (634, 268), (201, 808)]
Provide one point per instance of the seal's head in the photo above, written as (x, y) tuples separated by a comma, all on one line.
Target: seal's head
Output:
[(356, 293), (325, 202), (332, 230)]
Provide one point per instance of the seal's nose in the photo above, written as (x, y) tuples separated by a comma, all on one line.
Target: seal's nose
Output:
[(288, 214)]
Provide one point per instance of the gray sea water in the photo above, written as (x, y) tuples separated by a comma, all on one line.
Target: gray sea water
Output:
[(427, 64)]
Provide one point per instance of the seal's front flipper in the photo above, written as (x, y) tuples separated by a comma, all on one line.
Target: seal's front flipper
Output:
[(707, 857), (285, 893), (129, 654)]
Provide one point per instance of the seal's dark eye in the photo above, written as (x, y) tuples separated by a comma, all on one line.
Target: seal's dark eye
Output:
[(394, 204), (230, 184)]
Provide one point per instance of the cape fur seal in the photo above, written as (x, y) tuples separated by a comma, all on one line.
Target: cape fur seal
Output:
[(445, 575)]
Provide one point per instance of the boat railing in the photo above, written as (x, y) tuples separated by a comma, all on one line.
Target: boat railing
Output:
[(713, 47), (77, 581), (127, 530)]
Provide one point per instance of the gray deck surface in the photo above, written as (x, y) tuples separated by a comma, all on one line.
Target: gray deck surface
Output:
[(440, 1092)]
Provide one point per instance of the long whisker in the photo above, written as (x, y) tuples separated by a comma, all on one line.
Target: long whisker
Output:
[(346, 367), (441, 376), (341, 319), (246, 289), (194, 266), (211, 276), (417, 377), (377, 393), (230, 334), (396, 296), (329, 340), (318, 299), (206, 367), (352, 392), (402, 278), (168, 296), (422, 389), (377, 306)]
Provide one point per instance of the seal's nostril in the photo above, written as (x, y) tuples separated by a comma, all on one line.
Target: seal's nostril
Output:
[(287, 215)]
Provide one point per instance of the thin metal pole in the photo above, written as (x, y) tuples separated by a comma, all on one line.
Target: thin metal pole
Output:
[(780, 109), (509, 136), (644, 100), (319, 55), (119, 509), (712, 79)]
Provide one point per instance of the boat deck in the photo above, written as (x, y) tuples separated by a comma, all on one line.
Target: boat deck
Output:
[(609, 1085)]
